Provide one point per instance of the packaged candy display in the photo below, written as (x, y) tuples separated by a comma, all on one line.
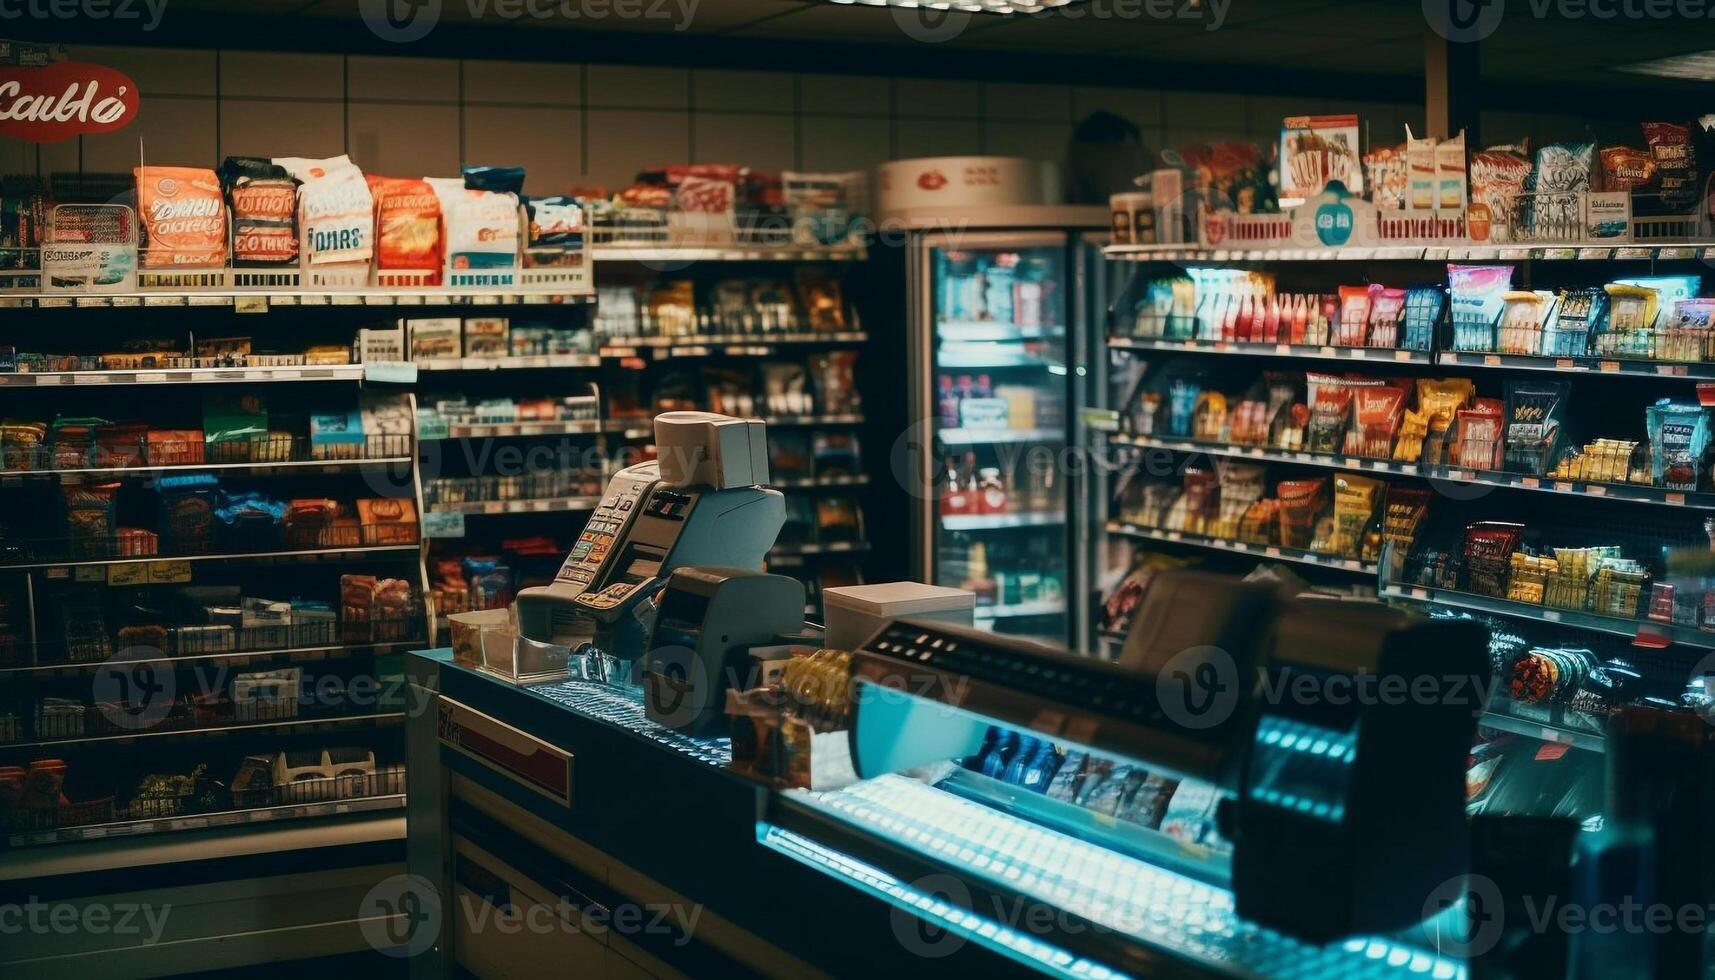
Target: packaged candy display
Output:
[(183, 213), (1478, 296), (1533, 424)]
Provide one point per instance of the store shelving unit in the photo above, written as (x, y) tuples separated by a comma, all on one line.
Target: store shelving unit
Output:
[(1598, 504)]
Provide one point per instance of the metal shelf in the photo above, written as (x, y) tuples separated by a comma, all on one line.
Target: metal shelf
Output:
[(1643, 632), (222, 658), (1326, 352), (307, 466), (1437, 252), (262, 300), (1511, 481), (1501, 720), (1268, 551), (985, 331), (791, 421), (311, 554), (499, 430), (1001, 521), (296, 726), (203, 821), (522, 363), (550, 505), (728, 253), (831, 548), (1578, 365), (155, 376), (822, 482), (725, 345), (988, 437)]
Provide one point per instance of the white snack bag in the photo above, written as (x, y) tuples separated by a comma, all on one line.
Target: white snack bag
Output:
[(481, 226), (335, 209)]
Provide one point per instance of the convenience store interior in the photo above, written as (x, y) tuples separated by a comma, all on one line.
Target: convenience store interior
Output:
[(704, 488)]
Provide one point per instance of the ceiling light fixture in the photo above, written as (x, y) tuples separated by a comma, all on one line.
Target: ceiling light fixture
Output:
[(1696, 67), (966, 6)]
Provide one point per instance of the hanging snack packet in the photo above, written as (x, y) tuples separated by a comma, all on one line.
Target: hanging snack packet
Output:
[(1522, 321), (407, 225), (1675, 164), (1625, 168), (335, 210), (1679, 435), (1422, 315), (1533, 424), (264, 201), (1301, 505), (1354, 316), (1330, 410), (1575, 313), (1498, 178), (1377, 411), (480, 227), (1478, 293), (1355, 500), (1629, 330), (556, 232), (1477, 442), (1387, 307), (184, 217)]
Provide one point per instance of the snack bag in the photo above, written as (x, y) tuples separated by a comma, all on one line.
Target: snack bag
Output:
[(1624, 168), (184, 217), (1498, 177), (480, 227), (1675, 164), (335, 210), (264, 201), (556, 231), (407, 224)]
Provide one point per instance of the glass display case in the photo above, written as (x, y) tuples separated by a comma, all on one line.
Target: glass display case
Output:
[(996, 355)]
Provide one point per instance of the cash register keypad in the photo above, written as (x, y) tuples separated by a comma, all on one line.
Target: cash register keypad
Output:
[(599, 534)]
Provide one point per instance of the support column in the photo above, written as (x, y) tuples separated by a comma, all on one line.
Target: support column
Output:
[(1452, 83)]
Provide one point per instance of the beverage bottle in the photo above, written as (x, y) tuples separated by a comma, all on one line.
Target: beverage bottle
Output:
[(947, 402), (991, 492), (1019, 764), (983, 388), (1041, 768), (955, 499)]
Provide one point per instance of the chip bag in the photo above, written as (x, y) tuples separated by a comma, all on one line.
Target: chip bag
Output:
[(184, 217)]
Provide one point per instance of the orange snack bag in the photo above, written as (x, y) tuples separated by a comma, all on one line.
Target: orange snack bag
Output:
[(407, 224), (184, 217)]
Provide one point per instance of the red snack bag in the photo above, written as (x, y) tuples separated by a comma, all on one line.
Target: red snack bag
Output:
[(407, 224), (184, 217)]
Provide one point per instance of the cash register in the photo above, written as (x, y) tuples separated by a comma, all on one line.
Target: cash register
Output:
[(700, 502)]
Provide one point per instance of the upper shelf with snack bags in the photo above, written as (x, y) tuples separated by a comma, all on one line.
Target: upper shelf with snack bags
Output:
[(1434, 201), (725, 212), (299, 226)]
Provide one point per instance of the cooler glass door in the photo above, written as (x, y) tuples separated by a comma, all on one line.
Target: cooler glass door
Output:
[(990, 386)]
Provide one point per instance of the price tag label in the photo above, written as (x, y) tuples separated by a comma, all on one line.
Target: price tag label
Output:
[(1559, 253), (1594, 253), (1671, 370), (1492, 360), (443, 524), (1674, 498), (1565, 364), (1530, 482), (123, 575), (1596, 490), (1677, 253), (390, 372), (1609, 367), (1564, 487), (1631, 253), (169, 572), (1329, 352), (250, 304), (431, 427), (1283, 348)]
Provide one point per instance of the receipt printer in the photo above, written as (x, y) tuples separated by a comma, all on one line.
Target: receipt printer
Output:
[(709, 618), (700, 502)]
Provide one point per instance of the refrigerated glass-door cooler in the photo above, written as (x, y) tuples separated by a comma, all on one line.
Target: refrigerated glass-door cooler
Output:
[(996, 321)]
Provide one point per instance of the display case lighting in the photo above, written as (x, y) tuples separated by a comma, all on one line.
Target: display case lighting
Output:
[(1699, 66)]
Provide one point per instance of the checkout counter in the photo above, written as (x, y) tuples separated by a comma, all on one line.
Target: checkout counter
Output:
[(580, 787)]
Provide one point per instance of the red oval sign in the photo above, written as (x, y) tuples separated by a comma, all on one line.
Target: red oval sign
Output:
[(64, 99)]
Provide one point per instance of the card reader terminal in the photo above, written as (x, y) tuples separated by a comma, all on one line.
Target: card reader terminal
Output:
[(700, 504)]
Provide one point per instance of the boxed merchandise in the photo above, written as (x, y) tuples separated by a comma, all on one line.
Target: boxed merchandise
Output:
[(1315, 150), (486, 337), (434, 338)]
